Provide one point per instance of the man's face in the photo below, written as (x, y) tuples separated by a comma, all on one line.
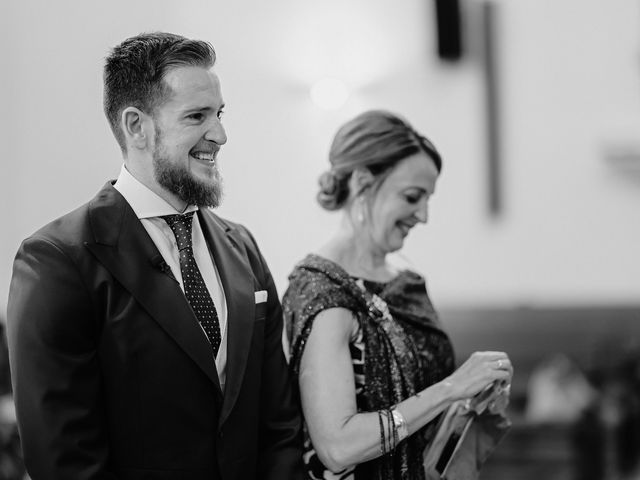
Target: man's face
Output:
[(188, 135)]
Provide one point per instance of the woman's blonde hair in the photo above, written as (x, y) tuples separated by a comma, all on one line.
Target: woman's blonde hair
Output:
[(376, 140)]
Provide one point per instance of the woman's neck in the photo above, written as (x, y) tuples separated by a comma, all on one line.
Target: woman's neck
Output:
[(355, 252)]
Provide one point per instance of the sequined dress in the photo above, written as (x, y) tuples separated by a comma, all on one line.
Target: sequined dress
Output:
[(397, 350)]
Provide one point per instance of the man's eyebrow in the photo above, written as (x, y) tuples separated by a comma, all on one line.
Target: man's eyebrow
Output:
[(203, 109)]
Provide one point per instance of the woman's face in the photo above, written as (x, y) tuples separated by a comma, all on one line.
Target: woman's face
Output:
[(401, 201)]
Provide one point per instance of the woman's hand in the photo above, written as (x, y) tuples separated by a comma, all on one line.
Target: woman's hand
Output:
[(479, 371)]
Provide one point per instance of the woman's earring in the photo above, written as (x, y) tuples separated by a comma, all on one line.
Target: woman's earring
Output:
[(360, 214)]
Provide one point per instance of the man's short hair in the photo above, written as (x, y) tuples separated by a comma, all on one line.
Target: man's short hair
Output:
[(135, 69)]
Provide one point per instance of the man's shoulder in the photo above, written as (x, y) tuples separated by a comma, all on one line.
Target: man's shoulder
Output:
[(65, 229), (222, 222), (234, 228), (70, 228)]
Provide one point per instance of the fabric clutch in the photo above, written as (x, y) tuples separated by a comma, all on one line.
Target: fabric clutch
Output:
[(466, 434)]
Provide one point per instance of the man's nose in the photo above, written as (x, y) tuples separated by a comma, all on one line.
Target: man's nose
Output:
[(216, 133)]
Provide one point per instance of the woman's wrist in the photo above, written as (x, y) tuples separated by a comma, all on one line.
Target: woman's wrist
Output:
[(448, 391)]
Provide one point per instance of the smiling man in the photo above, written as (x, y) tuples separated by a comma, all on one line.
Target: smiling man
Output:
[(145, 331)]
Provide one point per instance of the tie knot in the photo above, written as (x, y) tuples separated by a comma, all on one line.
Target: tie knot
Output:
[(181, 227)]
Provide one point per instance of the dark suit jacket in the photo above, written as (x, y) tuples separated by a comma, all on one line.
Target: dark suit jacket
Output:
[(113, 376)]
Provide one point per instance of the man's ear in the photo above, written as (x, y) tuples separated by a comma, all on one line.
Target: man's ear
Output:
[(137, 127), (361, 179)]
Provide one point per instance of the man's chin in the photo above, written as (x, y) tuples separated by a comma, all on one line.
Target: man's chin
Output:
[(202, 195), (191, 190)]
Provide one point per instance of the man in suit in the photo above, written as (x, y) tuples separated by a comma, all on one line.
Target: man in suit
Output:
[(145, 331)]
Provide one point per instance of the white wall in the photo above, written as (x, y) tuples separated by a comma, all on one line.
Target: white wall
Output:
[(570, 93)]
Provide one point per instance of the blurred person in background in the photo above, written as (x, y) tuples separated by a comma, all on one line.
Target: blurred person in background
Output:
[(144, 330), (558, 391), (373, 365)]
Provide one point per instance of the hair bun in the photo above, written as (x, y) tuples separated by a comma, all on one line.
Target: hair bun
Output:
[(333, 190)]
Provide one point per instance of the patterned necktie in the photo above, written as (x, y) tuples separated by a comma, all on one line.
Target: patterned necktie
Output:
[(194, 287)]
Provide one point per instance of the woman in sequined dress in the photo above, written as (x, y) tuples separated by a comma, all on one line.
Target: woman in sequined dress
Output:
[(373, 365)]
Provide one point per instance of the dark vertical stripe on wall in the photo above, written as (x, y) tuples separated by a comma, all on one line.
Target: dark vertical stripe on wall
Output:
[(449, 29), (490, 70)]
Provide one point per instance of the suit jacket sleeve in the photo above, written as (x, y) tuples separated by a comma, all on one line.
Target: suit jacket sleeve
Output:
[(280, 443), (52, 338)]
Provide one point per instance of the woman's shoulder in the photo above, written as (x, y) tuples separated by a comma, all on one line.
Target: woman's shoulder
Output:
[(400, 280), (316, 279), (316, 268), (404, 268), (410, 279)]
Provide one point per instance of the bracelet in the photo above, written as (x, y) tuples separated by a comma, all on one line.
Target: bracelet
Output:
[(393, 429), (382, 435), (388, 432), (399, 424)]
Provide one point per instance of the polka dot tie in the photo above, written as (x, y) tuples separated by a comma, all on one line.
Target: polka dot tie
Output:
[(194, 287)]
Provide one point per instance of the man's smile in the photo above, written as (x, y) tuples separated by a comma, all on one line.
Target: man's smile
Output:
[(204, 154)]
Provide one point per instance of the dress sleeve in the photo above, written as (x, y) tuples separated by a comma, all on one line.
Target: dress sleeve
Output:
[(309, 293)]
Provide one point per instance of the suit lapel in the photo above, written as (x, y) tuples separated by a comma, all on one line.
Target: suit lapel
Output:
[(238, 283), (123, 246)]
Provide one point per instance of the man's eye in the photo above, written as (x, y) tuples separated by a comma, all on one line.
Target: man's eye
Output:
[(196, 116), (412, 198), (220, 114)]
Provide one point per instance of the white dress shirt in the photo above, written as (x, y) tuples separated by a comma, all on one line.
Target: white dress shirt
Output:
[(149, 207)]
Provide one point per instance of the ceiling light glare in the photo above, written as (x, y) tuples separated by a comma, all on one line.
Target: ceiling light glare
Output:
[(329, 93)]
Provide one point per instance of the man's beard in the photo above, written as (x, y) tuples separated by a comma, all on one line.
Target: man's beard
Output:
[(177, 179)]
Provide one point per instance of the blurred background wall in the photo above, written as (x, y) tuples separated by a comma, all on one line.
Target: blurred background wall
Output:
[(555, 269), (569, 103)]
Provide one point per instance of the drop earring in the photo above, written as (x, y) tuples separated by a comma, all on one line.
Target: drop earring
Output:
[(360, 214)]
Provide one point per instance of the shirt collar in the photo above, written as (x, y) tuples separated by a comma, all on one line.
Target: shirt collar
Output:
[(144, 202)]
